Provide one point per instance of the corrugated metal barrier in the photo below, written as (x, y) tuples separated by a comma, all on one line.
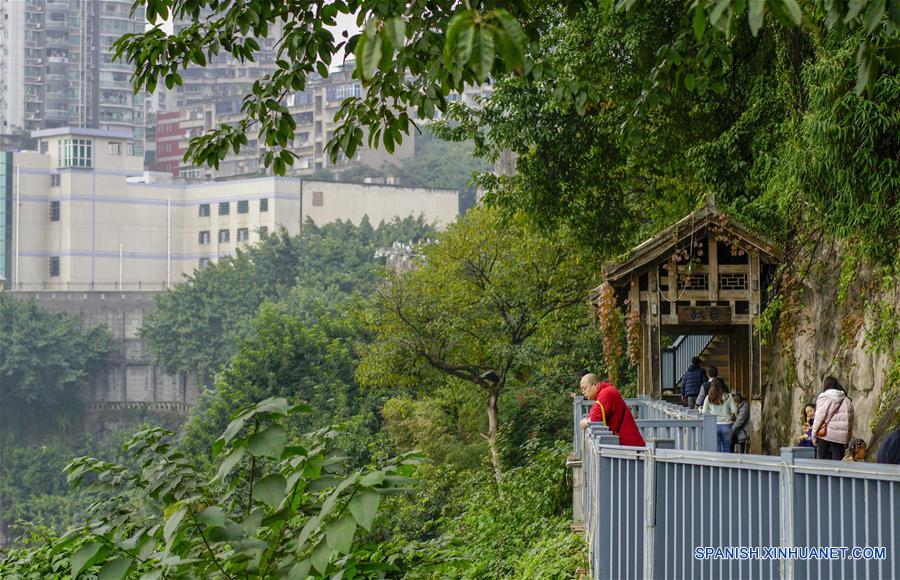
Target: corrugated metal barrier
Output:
[(647, 510)]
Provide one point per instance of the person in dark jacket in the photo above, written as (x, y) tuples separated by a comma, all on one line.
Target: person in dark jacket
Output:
[(693, 377), (890, 449), (740, 430), (713, 373)]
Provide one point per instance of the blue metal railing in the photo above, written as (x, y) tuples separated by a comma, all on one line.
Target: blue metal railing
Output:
[(646, 510)]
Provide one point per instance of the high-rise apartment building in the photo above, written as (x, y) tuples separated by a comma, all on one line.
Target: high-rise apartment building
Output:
[(56, 67), (313, 110)]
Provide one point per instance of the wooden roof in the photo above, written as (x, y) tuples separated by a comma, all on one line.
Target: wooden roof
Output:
[(665, 241)]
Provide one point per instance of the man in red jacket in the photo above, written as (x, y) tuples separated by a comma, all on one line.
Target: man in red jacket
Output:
[(610, 408)]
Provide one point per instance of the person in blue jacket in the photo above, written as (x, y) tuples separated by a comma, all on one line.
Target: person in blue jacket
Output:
[(693, 377)]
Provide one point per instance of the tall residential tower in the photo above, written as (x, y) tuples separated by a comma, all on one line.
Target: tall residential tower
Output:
[(56, 67)]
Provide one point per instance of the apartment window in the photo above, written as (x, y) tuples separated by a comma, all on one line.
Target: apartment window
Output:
[(44, 147), (114, 149), (264, 205), (76, 153), (244, 206), (55, 180), (224, 236), (204, 210), (54, 211), (318, 199), (243, 234), (224, 208), (54, 266), (203, 238), (263, 231), (204, 262)]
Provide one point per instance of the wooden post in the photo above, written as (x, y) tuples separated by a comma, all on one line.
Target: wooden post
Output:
[(634, 305), (653, 313), (673, 282), (755, 306), (713, 249)]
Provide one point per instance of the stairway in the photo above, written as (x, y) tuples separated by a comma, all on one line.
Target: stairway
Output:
[(717, 355)]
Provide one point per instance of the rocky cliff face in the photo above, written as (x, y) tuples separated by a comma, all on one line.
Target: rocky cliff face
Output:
[(842, 320)]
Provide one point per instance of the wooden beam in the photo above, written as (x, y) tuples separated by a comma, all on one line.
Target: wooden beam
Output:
[(755, 311), (713, 249), (653, 355), (673, 279)]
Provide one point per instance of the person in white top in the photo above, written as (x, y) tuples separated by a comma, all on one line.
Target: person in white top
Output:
[(719, 403)]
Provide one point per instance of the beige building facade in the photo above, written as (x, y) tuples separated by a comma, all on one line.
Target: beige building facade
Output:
[(85, 216)]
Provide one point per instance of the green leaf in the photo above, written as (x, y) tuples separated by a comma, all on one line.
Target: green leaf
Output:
[(690, 81), (340, 532), (273, 405), (307, 531), (85, 557), (757, 13), (513, 51), (460, 22), (853, 9), (873, 16), (300, 570), (364, 507), (699, 22), (368, 51), (233, 429), (270, 489), (172, 523), (115, 569), (794, 11), (320, 557), (395, 28), (212, 516), (229, 463), (487, 52), (371, 479), (268, 443)]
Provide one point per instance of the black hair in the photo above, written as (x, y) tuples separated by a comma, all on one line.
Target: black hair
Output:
[(695, 361), (712, 371), (832, 383), (803, 411)]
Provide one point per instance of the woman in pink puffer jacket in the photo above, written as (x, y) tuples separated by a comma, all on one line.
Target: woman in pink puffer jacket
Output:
[(834, 412)]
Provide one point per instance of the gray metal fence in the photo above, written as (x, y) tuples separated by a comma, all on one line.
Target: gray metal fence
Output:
[(657, 419), (647, 511)]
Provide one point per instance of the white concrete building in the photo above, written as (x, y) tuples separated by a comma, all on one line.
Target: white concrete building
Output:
[(81, 214)]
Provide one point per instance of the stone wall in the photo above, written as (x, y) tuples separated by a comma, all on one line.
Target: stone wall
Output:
[(131, 375), (829, 335)]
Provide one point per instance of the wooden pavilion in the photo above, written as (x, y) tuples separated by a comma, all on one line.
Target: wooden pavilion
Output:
[(705, 275)]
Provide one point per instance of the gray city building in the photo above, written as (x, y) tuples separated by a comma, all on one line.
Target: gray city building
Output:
[(56, 68)]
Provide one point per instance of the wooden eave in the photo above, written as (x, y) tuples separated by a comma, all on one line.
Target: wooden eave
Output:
[(661, 244)]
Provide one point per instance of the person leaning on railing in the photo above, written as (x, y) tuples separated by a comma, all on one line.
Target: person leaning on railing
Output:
[(610, 408)]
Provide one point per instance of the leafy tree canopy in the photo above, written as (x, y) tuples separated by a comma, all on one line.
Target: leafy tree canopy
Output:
[(412, 56), (275, 508), (196, 326), (46, 357), (479, 307), (768, 122)]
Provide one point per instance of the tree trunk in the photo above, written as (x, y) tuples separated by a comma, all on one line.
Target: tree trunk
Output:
[(492, 435)]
